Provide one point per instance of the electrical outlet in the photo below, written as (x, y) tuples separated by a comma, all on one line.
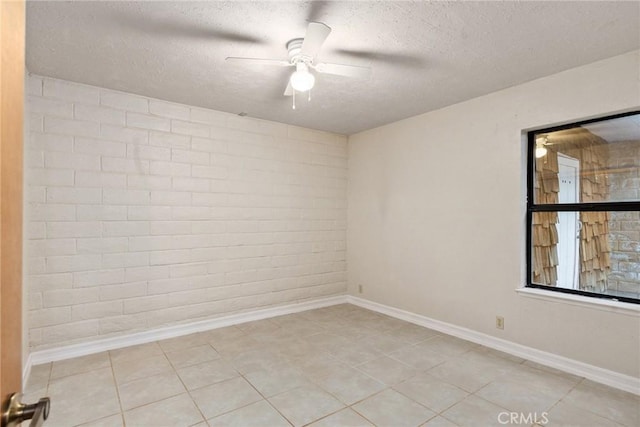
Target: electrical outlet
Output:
[(359, 289), (499, 322)]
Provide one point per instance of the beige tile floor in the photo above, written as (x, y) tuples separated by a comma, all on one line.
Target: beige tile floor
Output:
[(336, 366)]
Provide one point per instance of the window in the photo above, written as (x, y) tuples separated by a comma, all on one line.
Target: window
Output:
[(583, 208)]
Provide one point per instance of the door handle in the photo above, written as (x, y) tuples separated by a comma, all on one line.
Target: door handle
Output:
[(16, 412)]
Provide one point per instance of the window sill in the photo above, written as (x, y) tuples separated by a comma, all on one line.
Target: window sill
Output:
[(619, 307)]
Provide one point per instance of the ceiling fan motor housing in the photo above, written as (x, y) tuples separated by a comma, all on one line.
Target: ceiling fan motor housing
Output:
[(294, 47)]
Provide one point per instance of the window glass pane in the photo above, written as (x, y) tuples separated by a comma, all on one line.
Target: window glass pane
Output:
[(595, 162), (587, 251)]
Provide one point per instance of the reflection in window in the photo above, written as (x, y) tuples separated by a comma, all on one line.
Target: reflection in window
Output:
[(584, 219)]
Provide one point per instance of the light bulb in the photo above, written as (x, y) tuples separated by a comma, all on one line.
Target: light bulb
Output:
[(541, 151), (302, 80)]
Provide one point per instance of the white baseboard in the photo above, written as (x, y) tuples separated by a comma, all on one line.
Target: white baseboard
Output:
[(97, 346), (603, 376)]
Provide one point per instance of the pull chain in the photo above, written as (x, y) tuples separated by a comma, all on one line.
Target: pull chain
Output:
[(294, 99)]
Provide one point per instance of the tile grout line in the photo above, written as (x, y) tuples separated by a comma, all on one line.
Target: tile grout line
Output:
[(188, 392), (115, 382), (586, 409), (387, 387), (137, 379), (306, 378), (240, 375), (265, 399), (262, 395)]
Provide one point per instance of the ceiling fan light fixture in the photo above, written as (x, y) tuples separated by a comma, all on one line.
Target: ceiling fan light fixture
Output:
[(302, 80)]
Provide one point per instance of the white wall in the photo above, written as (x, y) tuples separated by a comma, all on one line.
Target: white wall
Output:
[(437, 214), (143, 213)]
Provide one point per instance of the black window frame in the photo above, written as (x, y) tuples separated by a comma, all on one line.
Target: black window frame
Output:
[(533, 207)]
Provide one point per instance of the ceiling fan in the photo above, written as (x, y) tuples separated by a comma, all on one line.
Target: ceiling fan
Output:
[(302, 56)]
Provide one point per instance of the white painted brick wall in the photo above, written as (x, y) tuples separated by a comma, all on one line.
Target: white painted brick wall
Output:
[(143, 213)]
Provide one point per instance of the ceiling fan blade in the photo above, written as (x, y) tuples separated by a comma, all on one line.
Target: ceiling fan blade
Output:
[(177, 27), (317, 9), (344, 70), (317, 33), (289, 90), (259, 61), (405, 59)]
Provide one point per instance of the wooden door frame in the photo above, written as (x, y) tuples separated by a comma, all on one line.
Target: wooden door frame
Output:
[(12, 72)]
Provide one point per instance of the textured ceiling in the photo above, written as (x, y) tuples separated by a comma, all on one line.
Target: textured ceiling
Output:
[(424, 55)]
